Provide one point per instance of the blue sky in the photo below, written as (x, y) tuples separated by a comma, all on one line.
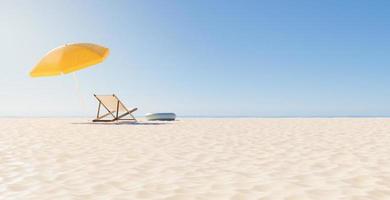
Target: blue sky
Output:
[(214, 58)]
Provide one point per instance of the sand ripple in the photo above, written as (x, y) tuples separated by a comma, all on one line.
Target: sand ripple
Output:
[(236, 159)]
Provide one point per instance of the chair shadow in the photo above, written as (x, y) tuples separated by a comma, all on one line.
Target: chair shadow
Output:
[(123, 123)]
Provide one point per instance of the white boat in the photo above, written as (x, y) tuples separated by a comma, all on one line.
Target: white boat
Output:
[(160, 116)]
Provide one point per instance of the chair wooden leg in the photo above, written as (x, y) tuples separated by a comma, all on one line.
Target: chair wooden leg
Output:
[(117, 110), (98, 111), (105, 115), (133, 117)]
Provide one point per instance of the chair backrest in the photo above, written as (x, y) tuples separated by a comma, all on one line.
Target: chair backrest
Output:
[(111, 102)]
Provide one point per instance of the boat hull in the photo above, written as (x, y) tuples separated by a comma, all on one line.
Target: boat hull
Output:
[(160, 116)]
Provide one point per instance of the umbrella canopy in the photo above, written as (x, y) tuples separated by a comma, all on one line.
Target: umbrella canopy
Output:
[(69, 58)]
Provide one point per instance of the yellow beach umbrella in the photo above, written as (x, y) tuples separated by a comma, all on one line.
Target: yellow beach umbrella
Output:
[(69, 58)]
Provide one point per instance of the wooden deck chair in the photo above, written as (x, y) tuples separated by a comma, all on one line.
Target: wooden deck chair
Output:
[(114, 107)]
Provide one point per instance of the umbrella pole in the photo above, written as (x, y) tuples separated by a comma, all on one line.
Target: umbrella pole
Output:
[(82, 102)]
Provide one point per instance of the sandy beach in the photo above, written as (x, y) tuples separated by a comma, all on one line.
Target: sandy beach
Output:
[(268, 159)]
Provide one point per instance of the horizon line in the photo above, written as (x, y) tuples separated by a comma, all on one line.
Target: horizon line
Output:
[(212, 116)]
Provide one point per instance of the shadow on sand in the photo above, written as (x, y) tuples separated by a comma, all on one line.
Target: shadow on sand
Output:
[(123, 123)]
